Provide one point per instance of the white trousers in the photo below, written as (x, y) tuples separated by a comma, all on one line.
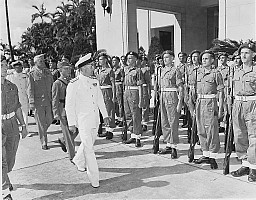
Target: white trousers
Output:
[(85, 156)]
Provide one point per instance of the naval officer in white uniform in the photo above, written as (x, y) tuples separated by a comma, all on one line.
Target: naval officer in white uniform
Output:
[(83, 101)]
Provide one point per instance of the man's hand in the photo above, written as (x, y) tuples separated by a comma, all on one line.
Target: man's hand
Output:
[(72, 128), (179, 106), (24, 132), (107, 121)]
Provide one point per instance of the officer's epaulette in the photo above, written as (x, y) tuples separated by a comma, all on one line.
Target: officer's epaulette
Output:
[(74, 79)]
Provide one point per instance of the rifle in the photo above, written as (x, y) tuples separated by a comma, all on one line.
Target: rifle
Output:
[(124, 129), (193, 136), (156, 130), (230, 134)]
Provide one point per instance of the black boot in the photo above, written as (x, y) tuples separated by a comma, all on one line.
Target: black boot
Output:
[(109, 135), (167, 150), (137, 144), (100, 134), (130, 141), (242, 171), (213, 163), (252, 175), (202, 159), (174, 154)]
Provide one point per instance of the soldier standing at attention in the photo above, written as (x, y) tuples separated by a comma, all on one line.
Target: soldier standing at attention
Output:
[(11, 112), (170, 103), (119, 79), (84, 99), (106, 78), (40, 97), (146, 91), (133, 97), (224, 69), (208, 83), (53, 68), (20, 79), (244, 112), (194, 56), (58, 106)]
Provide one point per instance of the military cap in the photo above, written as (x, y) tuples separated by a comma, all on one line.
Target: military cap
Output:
[(62, 64), (84, 60), (207, 51), (39, 57), (132, 53), (104, 54), (248, 45), (17, 62), (183, 53), (168, 52), (222, 54), (116, 57), (235, 54), (194, 51)]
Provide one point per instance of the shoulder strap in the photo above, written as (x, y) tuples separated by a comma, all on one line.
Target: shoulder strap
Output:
[(62, 81)]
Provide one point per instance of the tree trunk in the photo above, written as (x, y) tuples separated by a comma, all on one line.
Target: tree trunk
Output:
[(8, 30)]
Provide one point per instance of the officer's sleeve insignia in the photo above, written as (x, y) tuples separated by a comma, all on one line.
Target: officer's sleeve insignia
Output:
[(74, 79)]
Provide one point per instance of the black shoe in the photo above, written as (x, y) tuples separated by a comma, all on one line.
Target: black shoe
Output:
[(137, 144), (144, 128), (184, 126), (54, 121), (252, 176), (102, 134), (120, 124), (221, 129), (10, 187), (174, 153), (242, 171), (130, 141), (202, 159), (213, 163), (117, 122), (8, 197), (109, 135), (62, 145), (45, 147), (167, 150), (57, 122)]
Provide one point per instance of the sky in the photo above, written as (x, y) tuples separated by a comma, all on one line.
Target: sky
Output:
[(20, 12)]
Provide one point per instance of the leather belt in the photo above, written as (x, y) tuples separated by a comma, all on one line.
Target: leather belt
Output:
[(169, 89), (245, 98), (132, 87), (206, 96), (105, 87), (119, 83), (8, 116)]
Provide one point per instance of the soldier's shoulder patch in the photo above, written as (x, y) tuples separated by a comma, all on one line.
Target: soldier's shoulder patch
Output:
[(74, 79)]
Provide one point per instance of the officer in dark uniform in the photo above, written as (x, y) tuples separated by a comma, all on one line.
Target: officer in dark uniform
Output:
[(11, 112), (40, 97), (244, 112), (58, 106), (119, 79), (133, 97)]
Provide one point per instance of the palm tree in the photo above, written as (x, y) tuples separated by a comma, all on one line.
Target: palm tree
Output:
[(41, 14), (8, 29)]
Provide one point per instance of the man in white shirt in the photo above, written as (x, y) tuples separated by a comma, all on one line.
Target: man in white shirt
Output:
[(83, 101)]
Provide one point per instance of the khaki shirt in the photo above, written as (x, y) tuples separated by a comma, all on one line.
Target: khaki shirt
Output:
[(171, 77), (133, 76), (245, 81), (40, 87), (9, 97), (105, 76), (119, 74), (59, 88)]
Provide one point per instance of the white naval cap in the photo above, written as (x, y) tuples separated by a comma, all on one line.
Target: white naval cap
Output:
[(39, 57), (84, 60)]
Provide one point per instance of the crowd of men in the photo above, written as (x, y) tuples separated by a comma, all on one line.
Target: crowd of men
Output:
[(106, 90)]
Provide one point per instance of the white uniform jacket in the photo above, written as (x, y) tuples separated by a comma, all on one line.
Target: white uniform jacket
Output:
[(83, 101)]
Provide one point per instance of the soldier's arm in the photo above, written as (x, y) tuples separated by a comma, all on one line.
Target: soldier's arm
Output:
[(31, 91), (70, 104), (112, 78), (55, 100), (100, 102), (139, 83), (220, 89)]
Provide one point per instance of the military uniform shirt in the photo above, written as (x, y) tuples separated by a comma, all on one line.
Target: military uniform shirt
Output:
[(245, 81), (171, 77), (105, 76), (9, 97), (133, 76), (119, 74)]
